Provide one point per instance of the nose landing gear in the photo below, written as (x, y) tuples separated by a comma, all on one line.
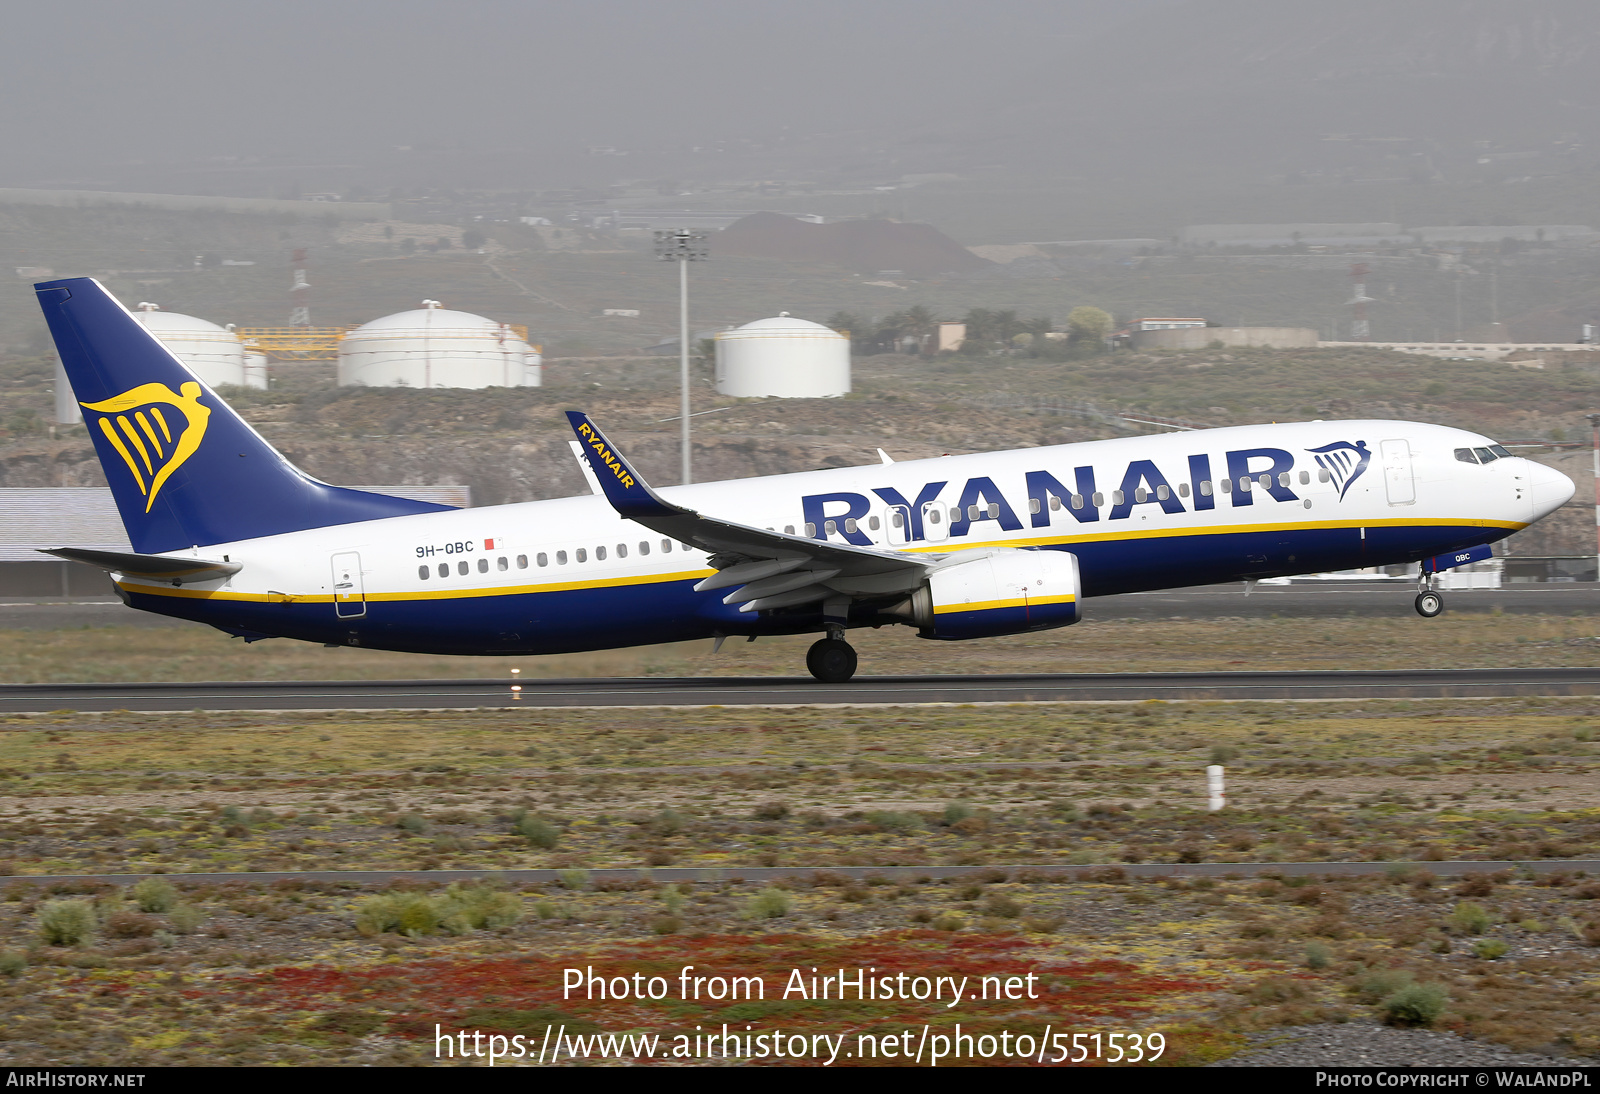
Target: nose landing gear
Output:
[(1428, 602), (832, 660)]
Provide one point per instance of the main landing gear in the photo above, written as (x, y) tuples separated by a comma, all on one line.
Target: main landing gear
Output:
[(1428, 602), (832, 660)]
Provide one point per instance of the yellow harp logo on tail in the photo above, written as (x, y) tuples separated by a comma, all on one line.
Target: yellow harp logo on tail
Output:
[(152, 446)]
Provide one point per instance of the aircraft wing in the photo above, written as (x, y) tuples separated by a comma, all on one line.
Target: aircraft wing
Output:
[(773, 569)]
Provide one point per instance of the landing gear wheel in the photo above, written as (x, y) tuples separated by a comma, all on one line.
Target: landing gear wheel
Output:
[(1429, 604), (831, 660)]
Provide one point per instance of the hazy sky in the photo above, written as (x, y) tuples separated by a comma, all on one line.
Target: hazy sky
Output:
[(92, 86)]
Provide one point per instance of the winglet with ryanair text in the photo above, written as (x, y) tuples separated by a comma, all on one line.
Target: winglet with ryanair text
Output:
[(624, 487)]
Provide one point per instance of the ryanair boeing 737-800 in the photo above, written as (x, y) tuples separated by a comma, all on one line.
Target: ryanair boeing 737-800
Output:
[(226, 531)]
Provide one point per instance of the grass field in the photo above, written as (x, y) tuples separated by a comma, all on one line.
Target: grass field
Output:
[(189, 653), (334, 973)]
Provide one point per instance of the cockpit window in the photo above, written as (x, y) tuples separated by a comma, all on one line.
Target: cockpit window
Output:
[(1485, 456), (1465, 455), (1500, 450)]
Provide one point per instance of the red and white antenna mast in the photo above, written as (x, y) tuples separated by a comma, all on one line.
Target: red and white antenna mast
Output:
[(300, 292)]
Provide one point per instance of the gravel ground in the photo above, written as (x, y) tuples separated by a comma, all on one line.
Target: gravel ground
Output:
[(1368, 1044)]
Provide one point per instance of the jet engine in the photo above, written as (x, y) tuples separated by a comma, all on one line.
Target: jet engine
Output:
[(1002, 591)]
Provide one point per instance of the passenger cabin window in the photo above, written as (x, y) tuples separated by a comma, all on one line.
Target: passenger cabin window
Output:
[(1163, 493), (666, 546), (502, 563), (1305, 477), (444, 569), (1033, 504), (850, 525), (1183, 490), (622, 550), (1324, 475), (873, 523), (1099, 498), (1225, 485), (461, 567), (483, 565), (422, 572), (581, 554), (644, 546), (933, 516), (561, 558), (1205, 488), (829, 527), (1118, 497), (1077, 501), (599, 554), (811, 530), (541, 558), (1283, 479), (1140, 494)]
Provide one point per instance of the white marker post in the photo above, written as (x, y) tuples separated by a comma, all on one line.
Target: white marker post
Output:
[(1216, 798), (516, 688)]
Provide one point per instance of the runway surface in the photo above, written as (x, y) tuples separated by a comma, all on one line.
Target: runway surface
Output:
[(790, 691)]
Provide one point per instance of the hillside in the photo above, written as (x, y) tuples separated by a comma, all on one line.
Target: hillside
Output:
[(511, 445)]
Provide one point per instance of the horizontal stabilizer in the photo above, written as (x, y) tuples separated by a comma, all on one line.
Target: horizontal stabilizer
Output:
[(178, 571)]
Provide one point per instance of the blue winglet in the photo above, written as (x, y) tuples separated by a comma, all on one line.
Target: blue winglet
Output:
[(624, 487)]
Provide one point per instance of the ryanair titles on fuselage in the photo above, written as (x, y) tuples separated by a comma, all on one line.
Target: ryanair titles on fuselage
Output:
[(1248, 471)]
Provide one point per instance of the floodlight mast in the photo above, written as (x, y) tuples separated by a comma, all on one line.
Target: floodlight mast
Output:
[(1594, 422), (683, 247)]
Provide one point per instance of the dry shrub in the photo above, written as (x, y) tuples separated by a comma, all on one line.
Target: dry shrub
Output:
[(1479, 885), (66, 922), (130, 925)]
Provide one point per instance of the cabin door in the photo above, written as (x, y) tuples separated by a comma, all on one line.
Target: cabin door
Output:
[(349, 596), (1398, 482), (897, 526)]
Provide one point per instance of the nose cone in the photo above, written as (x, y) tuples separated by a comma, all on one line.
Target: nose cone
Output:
[(1550, 489)]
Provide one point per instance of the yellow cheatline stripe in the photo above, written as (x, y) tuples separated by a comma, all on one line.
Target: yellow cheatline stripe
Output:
[(162, 422), (144, 424), (127, 428), (992, 605), (685, 575), (122, 450), (1182, 533), (430, 594)]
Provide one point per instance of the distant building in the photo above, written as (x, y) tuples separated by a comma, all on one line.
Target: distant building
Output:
[(1203, 337), (783, 356), (1165, 324)]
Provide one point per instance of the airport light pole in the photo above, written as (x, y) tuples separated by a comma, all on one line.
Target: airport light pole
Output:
[(683, 247), (1594, 423)]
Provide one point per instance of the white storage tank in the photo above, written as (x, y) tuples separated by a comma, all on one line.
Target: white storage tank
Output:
[(435, 347), (213, 353), (787, 357)]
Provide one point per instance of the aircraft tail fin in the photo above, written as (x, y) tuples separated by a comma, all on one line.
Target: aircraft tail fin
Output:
[(185, 470)]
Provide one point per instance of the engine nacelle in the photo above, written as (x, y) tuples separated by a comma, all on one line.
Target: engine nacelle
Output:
[(1003, 591)]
